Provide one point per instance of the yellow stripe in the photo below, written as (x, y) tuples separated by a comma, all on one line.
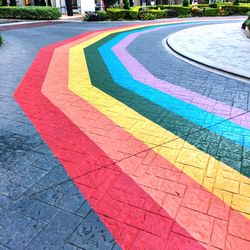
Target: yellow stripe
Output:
[(226, 183)]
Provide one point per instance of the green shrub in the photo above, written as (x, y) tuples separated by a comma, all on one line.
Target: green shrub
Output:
[(117, 14), (172, 13), (197, 12), (132, 14), (235, 10), (30, 12), (213, 5), (102, 15), (1, 40), (211, 12), (180, 10), (185, 3), (126, 4), (158, 13), (224, 12), (146, 16), (164, 7), (236, 2), (201, 5)]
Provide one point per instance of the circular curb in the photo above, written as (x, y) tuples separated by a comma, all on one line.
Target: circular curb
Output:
[(245, 76)]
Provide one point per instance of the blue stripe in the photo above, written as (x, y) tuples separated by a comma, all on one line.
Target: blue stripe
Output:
[(120, 75)]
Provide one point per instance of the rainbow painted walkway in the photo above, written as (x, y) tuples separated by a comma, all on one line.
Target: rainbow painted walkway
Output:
[(129, 141)]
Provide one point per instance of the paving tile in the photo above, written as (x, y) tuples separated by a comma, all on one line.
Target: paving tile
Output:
[(92, 234), (56, 231)]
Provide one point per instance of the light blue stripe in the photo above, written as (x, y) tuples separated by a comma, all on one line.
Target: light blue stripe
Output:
[(189, 111)]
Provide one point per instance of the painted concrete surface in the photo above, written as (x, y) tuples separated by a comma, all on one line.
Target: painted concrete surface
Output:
[(222, 46), (89, 160)]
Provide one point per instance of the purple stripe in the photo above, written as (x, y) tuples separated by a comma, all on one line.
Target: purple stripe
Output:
[(141, 74)]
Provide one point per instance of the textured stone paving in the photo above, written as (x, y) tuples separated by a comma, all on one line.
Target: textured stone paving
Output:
[(226, 47), (109, 142)]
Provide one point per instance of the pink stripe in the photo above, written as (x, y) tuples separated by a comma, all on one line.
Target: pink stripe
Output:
[(141, 74)]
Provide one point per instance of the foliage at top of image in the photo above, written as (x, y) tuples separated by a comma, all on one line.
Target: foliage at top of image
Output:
[(185, 3), (30, 12), (236, 2), (168, 11), (126, 4)]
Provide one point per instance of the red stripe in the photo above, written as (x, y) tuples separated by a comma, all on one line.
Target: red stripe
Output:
[(132, 227)]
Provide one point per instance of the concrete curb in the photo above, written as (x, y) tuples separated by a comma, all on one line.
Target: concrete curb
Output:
[(204, 61)]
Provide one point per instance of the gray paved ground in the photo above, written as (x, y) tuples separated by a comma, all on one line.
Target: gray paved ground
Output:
[(167, 67), (58, 218)]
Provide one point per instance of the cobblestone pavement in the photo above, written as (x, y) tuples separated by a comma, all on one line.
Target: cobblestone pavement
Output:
[(109, 142), (226, 49)]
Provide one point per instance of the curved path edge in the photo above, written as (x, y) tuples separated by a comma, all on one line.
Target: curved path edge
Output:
[(205, 62)]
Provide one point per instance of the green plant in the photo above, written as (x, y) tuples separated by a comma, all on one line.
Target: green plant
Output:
[(197, 12), (235, 10), (132, 14), (213, 5), (102, 15), (163, 7), (223, 12), (172, 13), (201, 5), (30, 12), (126, 5), (180, 10), (117, 14), (211, 12), (185, 3), (146, 16), (1, 40), (236, 2), (158, 13)]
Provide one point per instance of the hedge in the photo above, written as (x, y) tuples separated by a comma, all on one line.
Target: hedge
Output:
[(117, 14), (235, 10), (30, 12), (158, 13), (132, 14), (162, 11), (181, 11), (211, 12), (146, 16)]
